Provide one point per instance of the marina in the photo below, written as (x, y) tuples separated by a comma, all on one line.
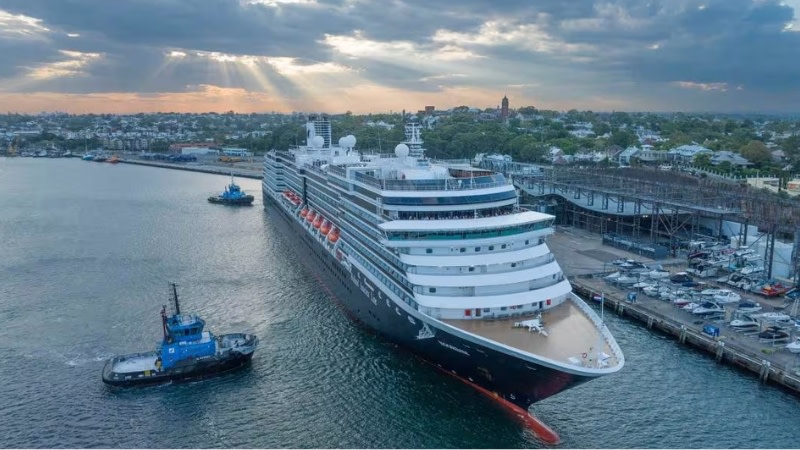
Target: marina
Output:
[(587, 261)]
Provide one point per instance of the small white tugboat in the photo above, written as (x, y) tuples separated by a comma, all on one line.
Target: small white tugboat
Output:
[(186, 352)]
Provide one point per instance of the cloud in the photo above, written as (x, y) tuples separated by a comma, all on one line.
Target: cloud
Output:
[(592, 54)]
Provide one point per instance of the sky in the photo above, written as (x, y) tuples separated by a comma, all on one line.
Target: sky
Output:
[(364, 56)]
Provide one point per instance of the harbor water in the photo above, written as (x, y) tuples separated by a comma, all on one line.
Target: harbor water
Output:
[(87, 250)]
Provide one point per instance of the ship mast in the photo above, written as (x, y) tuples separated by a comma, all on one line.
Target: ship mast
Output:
[(174, 298)]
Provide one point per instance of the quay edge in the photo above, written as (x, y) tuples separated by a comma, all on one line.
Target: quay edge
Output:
[(216, 170)]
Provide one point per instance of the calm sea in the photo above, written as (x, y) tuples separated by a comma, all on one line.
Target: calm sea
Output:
[(87, 250)]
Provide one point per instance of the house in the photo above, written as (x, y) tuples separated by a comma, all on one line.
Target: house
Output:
[(624, 157), (727, 156), (778, 156), (685, 154), (648, 155)]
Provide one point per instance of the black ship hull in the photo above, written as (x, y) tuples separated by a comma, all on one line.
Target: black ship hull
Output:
[(244, 201), (508, 378)]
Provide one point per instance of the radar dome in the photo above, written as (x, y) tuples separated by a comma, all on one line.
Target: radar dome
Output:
[(342, 142), (401, 150), (348, 141), (317, 141)]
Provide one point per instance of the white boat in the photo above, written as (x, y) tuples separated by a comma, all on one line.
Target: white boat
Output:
[(626, 279), (708, 308), (690, 306), (744, 322), (642, 285), (710, 292), (794, 346), (658, 274), (749, 307), (775, 317), (725, 296), (612, 277), (681, 301), (652, 291)]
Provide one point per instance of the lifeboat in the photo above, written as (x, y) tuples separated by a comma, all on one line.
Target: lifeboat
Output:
[(318, 221), (304, 212), (325, 228), (333, 236), (311, 216)]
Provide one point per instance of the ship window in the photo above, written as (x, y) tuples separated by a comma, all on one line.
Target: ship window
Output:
[(503, 308), (477, 249), (432, 290), (462, 250), (428, 250), (513, 264), (486, 310), (471, 268), (491, 247), (503, 246), (527, 241)]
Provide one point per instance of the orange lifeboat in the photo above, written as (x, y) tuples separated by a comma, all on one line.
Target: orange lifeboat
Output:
[(333, 236), (318, 221), (325, 228), (311, 216), (304, 212)]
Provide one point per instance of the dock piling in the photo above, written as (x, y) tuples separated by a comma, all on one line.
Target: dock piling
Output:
[(764, 374), (720, 351)]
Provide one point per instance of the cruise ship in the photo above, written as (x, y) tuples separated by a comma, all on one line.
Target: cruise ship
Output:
[(439, 257)]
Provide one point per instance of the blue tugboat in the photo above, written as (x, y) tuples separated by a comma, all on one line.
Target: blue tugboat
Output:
[(186, 352), (233, 195)]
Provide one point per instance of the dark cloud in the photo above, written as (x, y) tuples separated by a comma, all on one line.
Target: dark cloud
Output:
[(626, 48)]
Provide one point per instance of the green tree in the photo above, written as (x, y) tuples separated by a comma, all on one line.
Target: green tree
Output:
[(623, 138), (756, 152), (703, 160)]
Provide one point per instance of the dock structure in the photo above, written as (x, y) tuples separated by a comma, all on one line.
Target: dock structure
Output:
[(584, 260), (660, 207), (204, 168)]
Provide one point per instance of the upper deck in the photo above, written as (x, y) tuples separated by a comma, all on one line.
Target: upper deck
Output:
[(571, 333)]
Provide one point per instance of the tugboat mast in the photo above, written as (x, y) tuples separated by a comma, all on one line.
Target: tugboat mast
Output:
[(174, 298)]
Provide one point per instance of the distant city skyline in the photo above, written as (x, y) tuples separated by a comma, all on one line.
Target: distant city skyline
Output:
[(365, 56)]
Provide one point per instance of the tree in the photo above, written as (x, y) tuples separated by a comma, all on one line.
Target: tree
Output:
[(623, 138), (703, 160), (756, 152)]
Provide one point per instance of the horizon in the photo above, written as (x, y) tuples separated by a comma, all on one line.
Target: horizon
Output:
[(363, 56)]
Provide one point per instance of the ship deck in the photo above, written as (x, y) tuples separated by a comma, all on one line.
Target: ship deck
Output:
[(571, 334), (138, 363)]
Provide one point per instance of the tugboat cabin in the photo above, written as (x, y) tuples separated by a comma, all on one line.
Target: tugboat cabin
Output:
[(184, 340)]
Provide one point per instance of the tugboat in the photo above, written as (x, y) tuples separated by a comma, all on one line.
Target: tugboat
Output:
[(186, 352), (233, 195)]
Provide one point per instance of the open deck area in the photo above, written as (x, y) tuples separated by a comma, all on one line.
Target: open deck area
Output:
[(571, 333), (137, 363)]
